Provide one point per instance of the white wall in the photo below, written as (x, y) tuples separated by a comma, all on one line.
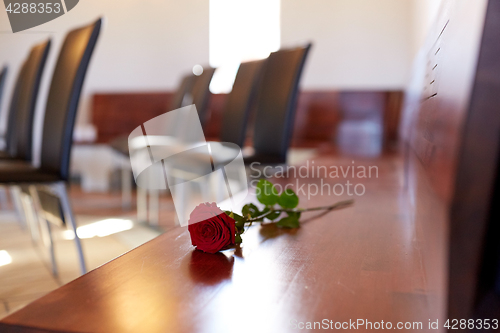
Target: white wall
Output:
[(147, 45), (144, 45), (358, 44), (424, 13)]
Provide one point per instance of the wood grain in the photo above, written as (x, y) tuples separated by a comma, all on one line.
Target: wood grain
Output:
[(359, 262)]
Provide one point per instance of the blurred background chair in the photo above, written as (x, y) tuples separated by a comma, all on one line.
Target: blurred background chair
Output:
[(276, 105), (201, 93), (11, 119), (23, 105), (58, 125), (182, 96), (3, 77), (193, 89), (235, 119), (194, 166), (19, 139), (240, 101)]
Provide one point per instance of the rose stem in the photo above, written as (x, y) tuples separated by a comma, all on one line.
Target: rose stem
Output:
[(337, 205)]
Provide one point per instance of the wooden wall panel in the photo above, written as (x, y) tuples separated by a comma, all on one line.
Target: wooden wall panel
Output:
[(117, 114), (452, 159), (317, 117)]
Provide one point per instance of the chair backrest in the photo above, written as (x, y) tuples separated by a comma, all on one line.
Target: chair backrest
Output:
[(240, 101), (24, 102), (201, 93), (3, 76), (185, 88), (14, 101), (64, 94), (276, 104)]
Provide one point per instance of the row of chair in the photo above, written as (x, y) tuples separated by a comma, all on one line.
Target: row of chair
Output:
[(269, 87), (16, 167)]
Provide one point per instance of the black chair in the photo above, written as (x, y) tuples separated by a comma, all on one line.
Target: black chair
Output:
[(275, 114), (183, 96), (201, 93), (240, 101), (192, 90), (60, 115), (22, 111), (3, 77), (11, 121)]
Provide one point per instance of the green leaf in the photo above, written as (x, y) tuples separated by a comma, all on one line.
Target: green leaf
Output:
[(262, 212), (294, 214), (234, 216), (237, 239), (288, 222), (250, 209), (266, 192), (274, 215), (288, 199), (240, 224), (239, 220), (265, 210)]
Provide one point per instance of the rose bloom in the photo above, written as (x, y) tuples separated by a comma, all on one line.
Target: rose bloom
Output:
[(210, 228)]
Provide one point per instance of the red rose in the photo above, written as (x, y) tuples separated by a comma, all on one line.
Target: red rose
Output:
[(210, 228)]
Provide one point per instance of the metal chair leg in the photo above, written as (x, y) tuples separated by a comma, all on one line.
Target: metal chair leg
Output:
[(51, 248), (31, 218), (142, 202), (60, 189), (46, 229), (154, 207), (15, 192), (3, 198), (126, 189)]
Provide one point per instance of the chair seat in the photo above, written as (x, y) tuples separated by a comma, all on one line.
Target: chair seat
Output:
[(120, 144), (17, 171)]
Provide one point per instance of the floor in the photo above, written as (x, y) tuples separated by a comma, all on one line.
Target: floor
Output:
[(29, 275), (25, 269)]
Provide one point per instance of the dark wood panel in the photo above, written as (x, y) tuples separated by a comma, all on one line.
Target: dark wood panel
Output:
[(453, 153), (117, 114), (318, 113)]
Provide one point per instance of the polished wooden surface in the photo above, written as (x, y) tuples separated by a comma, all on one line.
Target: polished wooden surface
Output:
[(362, 262)]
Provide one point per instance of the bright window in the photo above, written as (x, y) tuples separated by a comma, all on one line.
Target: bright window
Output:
[(240, 30)]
